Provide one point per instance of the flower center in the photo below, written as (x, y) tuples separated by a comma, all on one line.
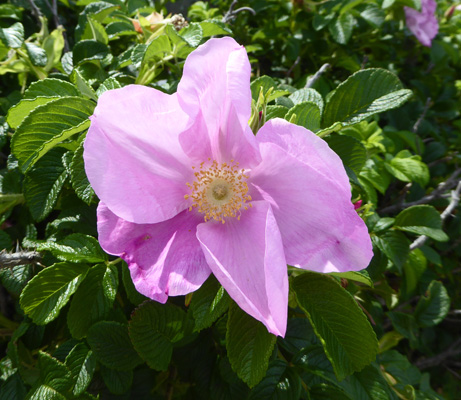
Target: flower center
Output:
[(219, 191)]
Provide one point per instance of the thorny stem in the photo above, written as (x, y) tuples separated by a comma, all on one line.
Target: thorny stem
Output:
[(231, 14), (35, 11), (9, 260)]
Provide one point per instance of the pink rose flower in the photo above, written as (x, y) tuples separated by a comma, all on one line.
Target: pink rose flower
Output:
[(423, 24), (186, 189)]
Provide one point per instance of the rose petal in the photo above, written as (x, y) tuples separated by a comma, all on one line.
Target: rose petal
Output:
[(132, 155), (165, 259), (320, 229), (247, 258), (215, 89), (424, 24), (306, 147)]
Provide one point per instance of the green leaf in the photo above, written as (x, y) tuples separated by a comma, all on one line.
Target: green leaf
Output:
[(36, 54), (249, 345), (118, 382), (134, 296), (50, 290), (209, 303), (108, 84), (341, 28), (12, 37), (21, 110), (192, 34), (280, 382), (53, 46), (356, 276), (368, 384), (76, 247), (82, 365), (90, 50), (98, 11), (263, 82), (83, 86), (112, 347), (365, 93), (13, 387), (307, 94), (154, 327), (422, 220), (408, 169), (14, 279), (98, 32), (43, 183), (352, 153), (394, 245), (78, 176), (324, 391), (47, 126), (51, 87), (55, 380), (373, 15), (434, 306), (275, 112), (93, 300), (346, 335), (213, 27), (405, 324), (306, 114), (413, 270)]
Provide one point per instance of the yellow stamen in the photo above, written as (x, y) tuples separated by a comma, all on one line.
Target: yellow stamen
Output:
[(219, 191)]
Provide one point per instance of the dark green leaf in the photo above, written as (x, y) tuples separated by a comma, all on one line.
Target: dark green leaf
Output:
[(111, 345), (13, 36), (93, 300), (13, 388), (36, 54), (118, 382), (209, 303), (83, 86), (373, 15), (154, 327), (352, 153), (341, 28), (88, 50), (263, 82), (422, 220), (275, 112), (134, 296), (307, 94), (76, 247), (365, 93), (50, 290), (346, 335), (78, 177), (434, 306), (405, 324), (249, 345), (81, 364), (394, 245)]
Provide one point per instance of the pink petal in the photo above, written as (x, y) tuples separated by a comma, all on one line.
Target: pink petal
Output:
[(215, 89), (132, 154), (165, 259), (247, 258), (424, 24), (306, 147), (320, 229)]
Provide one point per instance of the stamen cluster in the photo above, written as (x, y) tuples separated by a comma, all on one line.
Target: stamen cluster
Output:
[(219, 190)]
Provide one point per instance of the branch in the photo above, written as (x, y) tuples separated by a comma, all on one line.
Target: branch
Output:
[(422, 116), (317, 75), (435, 194), (231, 14), (36, 11), (9, 260), (455, 197), (452, 351), (54, 10)]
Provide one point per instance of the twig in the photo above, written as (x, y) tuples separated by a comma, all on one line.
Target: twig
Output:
[(9, 260), (231, 14), (422, 116), (435, 194), (36, 11), (54, 10), (455, 197), (452, 351), (317, 75), (298, 59)]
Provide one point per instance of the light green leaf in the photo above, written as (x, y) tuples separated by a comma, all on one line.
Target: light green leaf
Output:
[(213, 27), (306, 114), (346, 335), (93, 300), (275, 112), (43, 183), (154, 327), (21, 110), (192, 34), (249, 346), (341, 28), (82, 365), (434, 306), (108, 84), (12, 37), (53, 46), (365, 93), (50, 290), (307, 94), (373, 15), (47, 126), (263, 82), (83, 86), (409, 169), (112, 347), (422, 220), (209, 303), (98, 32), (36, 54), (76, 247), (356, 276), (51, 87)]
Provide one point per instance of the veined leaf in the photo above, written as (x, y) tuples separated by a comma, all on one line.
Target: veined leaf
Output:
[(306, 114), (346, 335), (434, 306), (13, 36), (81, 364), (50, 290), (51, 87)]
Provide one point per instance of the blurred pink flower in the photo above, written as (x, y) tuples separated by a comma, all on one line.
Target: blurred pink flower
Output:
[(423, 24), (186, 189)]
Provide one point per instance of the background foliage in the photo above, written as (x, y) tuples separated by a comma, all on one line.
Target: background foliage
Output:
[(72, 326)]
